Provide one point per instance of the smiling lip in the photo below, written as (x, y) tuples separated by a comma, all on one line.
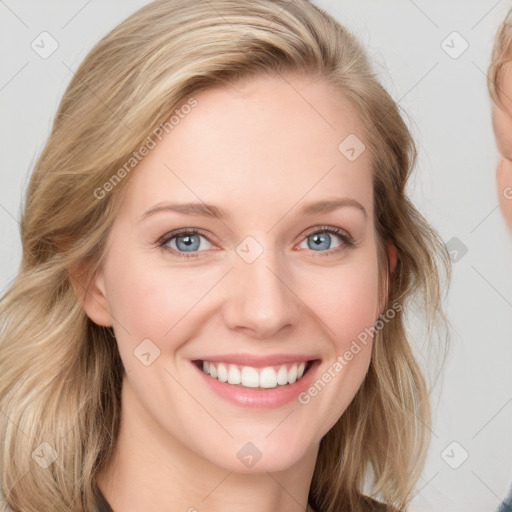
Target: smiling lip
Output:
[(259, 397)]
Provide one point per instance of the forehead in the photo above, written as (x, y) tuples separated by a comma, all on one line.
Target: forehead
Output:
[(261, 142)]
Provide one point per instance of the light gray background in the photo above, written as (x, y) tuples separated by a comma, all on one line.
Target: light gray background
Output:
[(448, 111)]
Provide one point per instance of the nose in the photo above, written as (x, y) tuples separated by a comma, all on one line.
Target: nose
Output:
[(261, 301)]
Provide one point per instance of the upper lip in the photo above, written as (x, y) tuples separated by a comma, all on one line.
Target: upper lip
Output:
[(258, 361)]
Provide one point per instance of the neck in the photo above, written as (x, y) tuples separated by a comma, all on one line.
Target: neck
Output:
[(152, 470)]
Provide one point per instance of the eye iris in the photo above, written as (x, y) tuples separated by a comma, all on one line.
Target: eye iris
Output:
[(191, 242), (319, 239)]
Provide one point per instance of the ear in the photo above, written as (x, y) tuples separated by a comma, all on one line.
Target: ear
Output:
[(90, 291), (392, 256)]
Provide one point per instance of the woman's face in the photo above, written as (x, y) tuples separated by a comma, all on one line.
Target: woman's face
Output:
[(262, 285)]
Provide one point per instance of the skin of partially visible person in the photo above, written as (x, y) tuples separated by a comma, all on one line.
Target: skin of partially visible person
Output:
[(500, 88), (225, 182)]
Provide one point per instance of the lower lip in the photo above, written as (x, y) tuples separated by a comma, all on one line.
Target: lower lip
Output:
[(260, 398)]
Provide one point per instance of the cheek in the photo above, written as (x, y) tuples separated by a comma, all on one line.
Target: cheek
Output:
[(347, 305), (345, 298), (504, 189), (502, 126), (150, 301)]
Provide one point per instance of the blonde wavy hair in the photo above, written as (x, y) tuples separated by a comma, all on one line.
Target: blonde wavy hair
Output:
[(501, 56), (61, 374)]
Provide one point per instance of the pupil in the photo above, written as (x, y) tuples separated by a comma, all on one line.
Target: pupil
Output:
[(319, 239)]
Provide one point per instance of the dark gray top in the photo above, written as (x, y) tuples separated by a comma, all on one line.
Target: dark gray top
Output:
[(101, 502), (374, 506), (506, 505)]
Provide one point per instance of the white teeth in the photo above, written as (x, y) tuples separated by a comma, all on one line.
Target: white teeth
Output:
[(222, 372), (234, 376), (268, 377), (250, 377), (292, 374), (282, 375)]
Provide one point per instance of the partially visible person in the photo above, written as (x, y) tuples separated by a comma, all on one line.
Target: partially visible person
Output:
[(500, 89), (506, 504)]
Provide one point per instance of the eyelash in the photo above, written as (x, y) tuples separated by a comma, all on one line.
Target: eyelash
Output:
[(348, 241)]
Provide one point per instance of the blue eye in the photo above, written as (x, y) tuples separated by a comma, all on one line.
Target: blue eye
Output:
[(186, 242), (321, 238)]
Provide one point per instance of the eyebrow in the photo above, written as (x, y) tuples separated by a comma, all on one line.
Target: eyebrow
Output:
[(212, 211)]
